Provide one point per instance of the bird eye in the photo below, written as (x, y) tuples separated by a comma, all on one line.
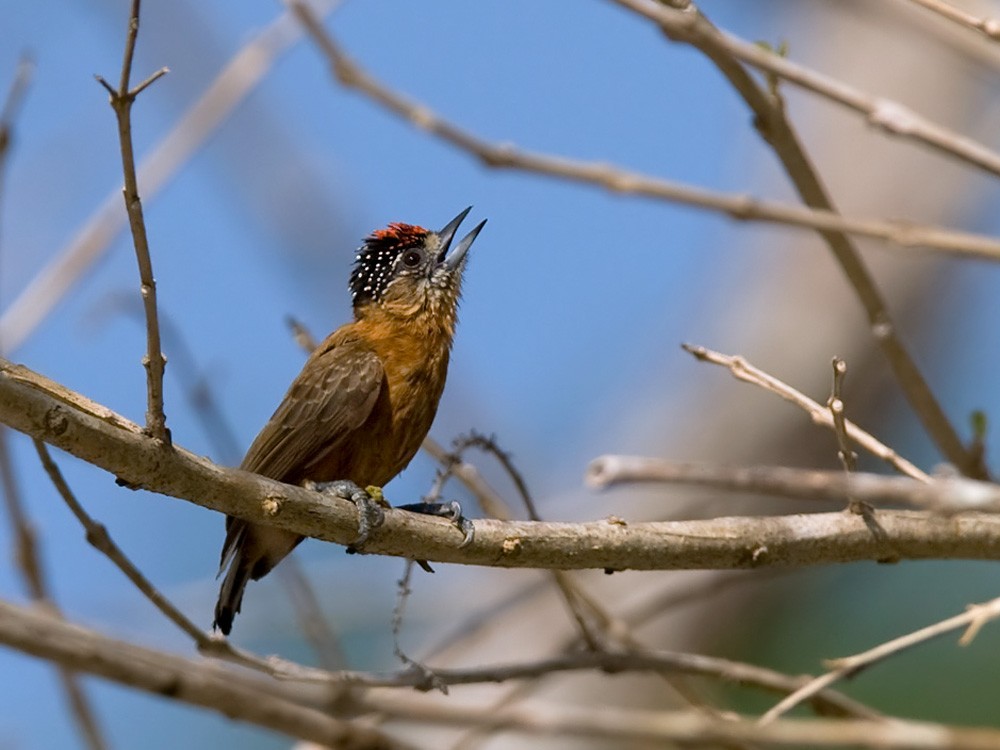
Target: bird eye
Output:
[(412, 258)]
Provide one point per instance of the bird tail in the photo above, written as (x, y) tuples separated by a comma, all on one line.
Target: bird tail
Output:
[(231, 594), (239, 573), (250, 552)]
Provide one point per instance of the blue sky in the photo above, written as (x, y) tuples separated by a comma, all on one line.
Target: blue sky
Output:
[(575, 300)]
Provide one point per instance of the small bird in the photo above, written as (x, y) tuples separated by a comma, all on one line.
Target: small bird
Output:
[(365, 399)]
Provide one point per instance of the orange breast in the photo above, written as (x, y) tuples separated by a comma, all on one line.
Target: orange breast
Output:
[(416, 367)]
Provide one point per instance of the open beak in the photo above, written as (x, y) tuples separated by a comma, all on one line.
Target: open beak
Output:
[(452, 259)]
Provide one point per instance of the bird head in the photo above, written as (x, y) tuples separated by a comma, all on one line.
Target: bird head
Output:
[(405, 269)]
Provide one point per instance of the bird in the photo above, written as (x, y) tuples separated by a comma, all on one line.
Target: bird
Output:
[(365, 399)]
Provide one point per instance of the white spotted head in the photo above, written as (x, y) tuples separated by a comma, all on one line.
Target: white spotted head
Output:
[(409, 266)]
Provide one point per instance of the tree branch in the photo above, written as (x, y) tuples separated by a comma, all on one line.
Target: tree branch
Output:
[(616, 180), (236, 695), (943, 495), (770, 119), (743, 370), (45, 410)]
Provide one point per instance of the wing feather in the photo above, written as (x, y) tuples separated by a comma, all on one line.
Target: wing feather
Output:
[(332, 396)]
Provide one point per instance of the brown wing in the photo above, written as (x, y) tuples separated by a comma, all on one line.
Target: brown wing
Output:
[(332, 396)]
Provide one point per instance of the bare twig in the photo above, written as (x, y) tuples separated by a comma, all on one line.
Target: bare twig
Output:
[(121, 99), (740, 207), (616, 662), (582, 607), (743, 370), (848, 458), (989, 27), (972, 619), (11, 106)]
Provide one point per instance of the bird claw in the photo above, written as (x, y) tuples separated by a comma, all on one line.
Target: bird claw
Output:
[(368, 500), (450, 510)]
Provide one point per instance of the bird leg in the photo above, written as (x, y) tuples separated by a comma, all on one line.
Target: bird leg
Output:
[(368, 501), (450, 510)]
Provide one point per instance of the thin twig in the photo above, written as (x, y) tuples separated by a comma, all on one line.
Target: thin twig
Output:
[(848, 458), (121, 99), (743, 370), (620, 181), (989, 27), (972, 619), (428, 679), (581, 605)]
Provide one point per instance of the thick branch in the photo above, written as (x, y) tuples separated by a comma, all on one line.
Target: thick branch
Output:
[(237, 695), (45, 410)]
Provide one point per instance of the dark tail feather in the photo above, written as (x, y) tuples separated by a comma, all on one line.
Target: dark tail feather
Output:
[(231, 593)]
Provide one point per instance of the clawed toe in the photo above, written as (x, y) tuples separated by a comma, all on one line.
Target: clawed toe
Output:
[(367, 500)]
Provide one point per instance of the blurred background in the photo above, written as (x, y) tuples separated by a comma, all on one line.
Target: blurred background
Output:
[(575, 304)]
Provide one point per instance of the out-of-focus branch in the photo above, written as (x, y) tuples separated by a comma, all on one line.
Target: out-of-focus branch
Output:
[(776, 130), (688, 728), (989, 27), (616, 180), (25, 546), (122, 99), (282, 707), (745, 371), (232, 85), (614, 662), (45, 410), (945, 495), (30, 565), (891, 117)]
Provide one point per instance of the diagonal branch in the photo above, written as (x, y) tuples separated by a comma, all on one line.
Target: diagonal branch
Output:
[(282, 707), (775, 128), (892, 117), (613, 179), (972, 619), (743, 370)]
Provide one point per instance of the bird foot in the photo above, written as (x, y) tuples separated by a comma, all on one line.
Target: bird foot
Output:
[(452, 511), (368, 500)]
